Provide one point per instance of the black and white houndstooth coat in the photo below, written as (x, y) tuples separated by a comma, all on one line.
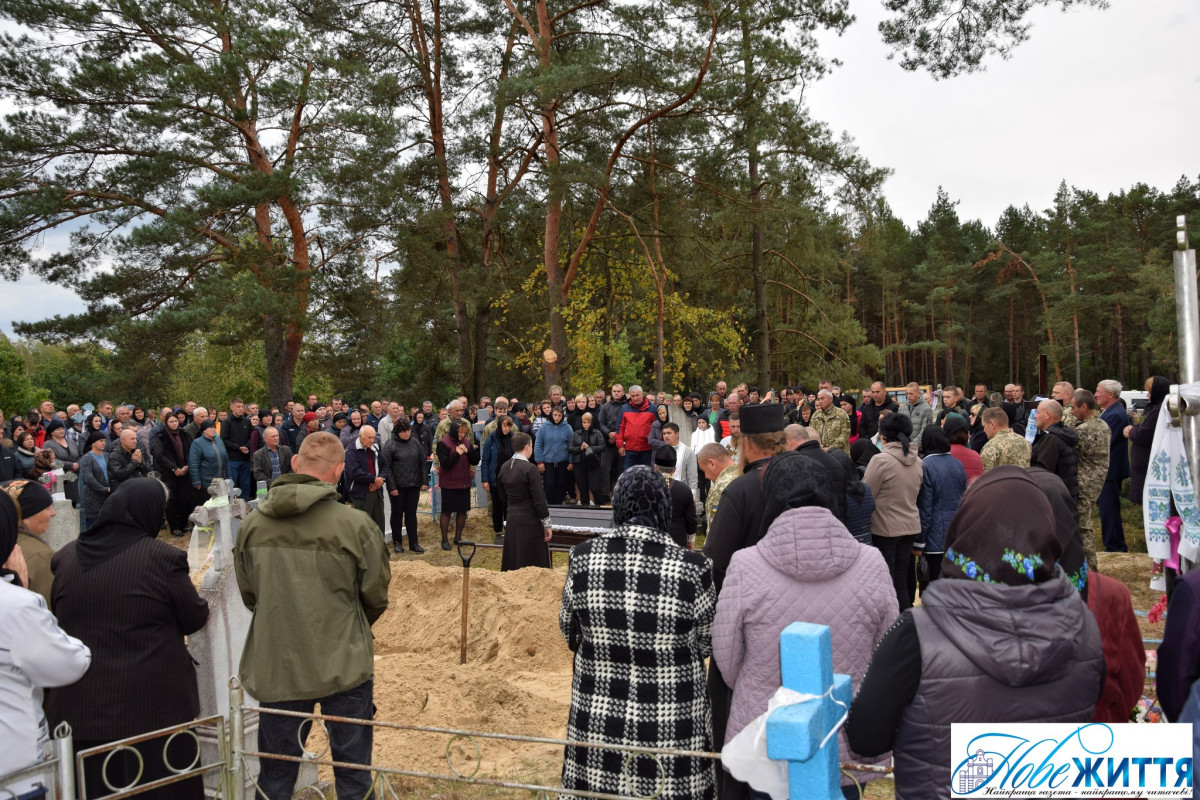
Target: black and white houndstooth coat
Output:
[(638, 610)]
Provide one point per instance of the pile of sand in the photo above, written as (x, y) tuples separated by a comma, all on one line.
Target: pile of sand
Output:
[(517, 678)]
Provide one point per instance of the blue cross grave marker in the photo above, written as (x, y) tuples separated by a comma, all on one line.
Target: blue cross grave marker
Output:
[(794, 733)]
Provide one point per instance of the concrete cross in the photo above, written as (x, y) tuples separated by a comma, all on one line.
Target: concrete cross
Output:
[(794, 733)]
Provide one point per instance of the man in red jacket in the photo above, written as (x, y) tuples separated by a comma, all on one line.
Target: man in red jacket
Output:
[(633, 435)]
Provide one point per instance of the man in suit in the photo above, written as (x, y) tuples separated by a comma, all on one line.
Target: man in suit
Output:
[(1112, 531), (272, 459)]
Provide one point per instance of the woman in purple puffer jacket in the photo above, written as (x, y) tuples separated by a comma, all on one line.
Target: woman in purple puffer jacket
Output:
[(806, 567)]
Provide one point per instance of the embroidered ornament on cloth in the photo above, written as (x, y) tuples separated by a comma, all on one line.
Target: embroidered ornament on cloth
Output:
[(1169, 477)]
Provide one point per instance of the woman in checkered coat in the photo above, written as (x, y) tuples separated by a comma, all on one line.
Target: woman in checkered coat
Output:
[(637, 610)]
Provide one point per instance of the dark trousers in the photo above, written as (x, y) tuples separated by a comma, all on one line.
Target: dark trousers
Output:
[(1111, 528), (634, 458), (897, 553), (180, 501), (242, 475), (404, 510), (934, 561), (499, 507), (372, 504), (588, 479), (124, 766), (610, 468), (347, 742), (720, 697), (554, 479)]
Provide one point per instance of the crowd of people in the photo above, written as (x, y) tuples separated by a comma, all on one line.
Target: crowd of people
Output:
[(814, 507)]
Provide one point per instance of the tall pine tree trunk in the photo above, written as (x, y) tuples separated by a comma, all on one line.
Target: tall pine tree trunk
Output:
[(758, 268)]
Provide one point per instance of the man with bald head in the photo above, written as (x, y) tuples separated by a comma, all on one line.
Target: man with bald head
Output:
[(876, 402), (126, 461), (366, 474), (1063, 392), (302, 542), (1054, 447)]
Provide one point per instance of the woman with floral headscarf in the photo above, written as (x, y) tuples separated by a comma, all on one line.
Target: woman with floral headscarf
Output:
[(1002, 637), (637, 610)]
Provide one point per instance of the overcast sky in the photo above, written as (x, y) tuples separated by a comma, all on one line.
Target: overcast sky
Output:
[(1100, 99)]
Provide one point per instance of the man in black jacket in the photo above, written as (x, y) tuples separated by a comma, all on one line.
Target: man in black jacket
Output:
[(683, 504), (803, 441), (235, 432), (608, 421), (876, 402), (125, 460), (1054, 447)]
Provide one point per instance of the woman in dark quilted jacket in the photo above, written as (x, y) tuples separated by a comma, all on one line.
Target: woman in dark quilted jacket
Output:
[(1003, 636), (943, 481)]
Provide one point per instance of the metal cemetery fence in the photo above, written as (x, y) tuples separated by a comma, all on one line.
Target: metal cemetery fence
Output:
[(230, 771)]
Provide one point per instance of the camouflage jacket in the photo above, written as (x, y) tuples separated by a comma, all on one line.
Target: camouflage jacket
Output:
[(1092, 451), (832, 427), (439, 433), (1006, 448), (718, 487)]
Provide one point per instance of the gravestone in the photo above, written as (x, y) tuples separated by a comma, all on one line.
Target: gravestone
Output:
[(64, 526), (218, 647), (804, 734)]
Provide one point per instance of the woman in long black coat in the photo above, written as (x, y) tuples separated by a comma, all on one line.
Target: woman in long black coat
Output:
[(1141, 437), (128, 597), (528, 528), (169, 448)]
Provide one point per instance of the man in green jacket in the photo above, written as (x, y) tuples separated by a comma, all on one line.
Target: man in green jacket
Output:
[(315, 575)]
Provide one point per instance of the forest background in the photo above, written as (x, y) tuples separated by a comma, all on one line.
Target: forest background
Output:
[(414, 198)]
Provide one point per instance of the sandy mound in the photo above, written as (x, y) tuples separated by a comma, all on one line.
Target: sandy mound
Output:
[(517, 678)]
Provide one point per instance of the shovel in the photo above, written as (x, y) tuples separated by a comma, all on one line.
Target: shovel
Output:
[(466, 556)]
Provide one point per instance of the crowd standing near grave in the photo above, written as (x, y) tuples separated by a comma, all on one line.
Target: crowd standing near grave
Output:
[(837, 510)]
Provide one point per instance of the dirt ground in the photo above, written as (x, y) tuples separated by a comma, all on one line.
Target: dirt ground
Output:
[(517, 678)]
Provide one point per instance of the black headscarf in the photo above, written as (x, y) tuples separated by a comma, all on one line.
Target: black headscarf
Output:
[(792, 481), (641, 497), (10, 521), (1004, 531), (855, 488), (934, 440), (956, 424), (861, 453), (1066, 526), (1159, 386), (131, 513)]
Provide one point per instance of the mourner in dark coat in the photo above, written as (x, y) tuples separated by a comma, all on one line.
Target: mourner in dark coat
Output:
[(528, 527), (406, 478), (738, 524), (128, 597), (638, 677), (683, 505), (169, 447)]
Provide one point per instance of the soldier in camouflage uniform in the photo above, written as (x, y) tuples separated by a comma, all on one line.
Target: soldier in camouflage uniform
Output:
[(831, 422), (1092, 452), (1064, 393), (1004, 447), (720, 470), (455, 412)]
